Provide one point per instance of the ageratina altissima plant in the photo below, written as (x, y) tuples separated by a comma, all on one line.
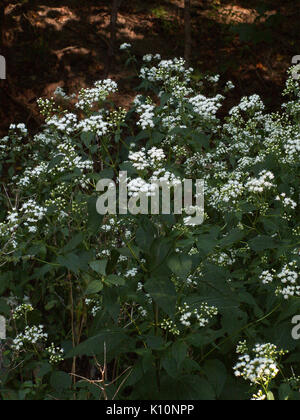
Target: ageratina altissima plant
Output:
[(161, 304), (259, 367)]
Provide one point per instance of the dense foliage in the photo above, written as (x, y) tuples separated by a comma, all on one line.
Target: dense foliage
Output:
[(148, 307)]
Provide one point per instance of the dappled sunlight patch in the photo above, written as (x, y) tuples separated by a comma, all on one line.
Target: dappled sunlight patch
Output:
[(61, 17)]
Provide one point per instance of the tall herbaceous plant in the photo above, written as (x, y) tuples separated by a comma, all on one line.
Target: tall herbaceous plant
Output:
[(149, 306)]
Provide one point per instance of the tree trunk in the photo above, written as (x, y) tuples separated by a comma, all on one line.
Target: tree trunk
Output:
[(2, 51), (113, 31), (188, 31), (2, 32)]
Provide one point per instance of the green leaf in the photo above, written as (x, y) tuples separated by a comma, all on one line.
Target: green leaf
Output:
[(160, 250), (199, 140), (43, 369), (163, 292), (55, 162), (181, 265), (144, 239), (74, 242), (216, 374), (74, 262), (187, 387), (94, 218), (174, 358), (261, 243), (94, 287), (60, 381), (87, 138), (285, 392), (99, 266), (4, 308), (206, 244), (115, 280), (155, 342), (111, 340), (126, 252), (236, 235)]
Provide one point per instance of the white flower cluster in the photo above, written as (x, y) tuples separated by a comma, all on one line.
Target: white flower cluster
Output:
[(259, 396), (230, 85), (202, 315), (267, 276), (19, 128), (167, 71), (22, 310), (260, 368), (252, 104), (69, 161), (229, 194), (261, 184), (147, 159), (138, 186), (94, 124), (142, 312), (169, 326), (45, 138), (31, 336), (131, 273), (66, 124), (60, 93), (286, 201), (101, 90), (223, 260), (152, 161), (95, 306), (27, 217), (56, 354), (164, 176), (213, 79), (292, 149), (32, 174), (125, 46), (4, 144), (147, 114), (32, 213), (139, 159), (206, 108), (288, 277), (149, 57)]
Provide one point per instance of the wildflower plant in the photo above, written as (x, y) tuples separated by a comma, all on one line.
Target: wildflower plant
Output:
[(152, 296)]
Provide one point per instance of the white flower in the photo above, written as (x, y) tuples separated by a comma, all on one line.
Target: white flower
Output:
[(267, 277), (131, 273), (30, 336), (56, 354), (125, 46), (261, 184), (146, 116), (101, 90), (261, 368)]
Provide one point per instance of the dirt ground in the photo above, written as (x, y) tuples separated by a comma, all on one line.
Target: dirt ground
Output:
[(65, 43)]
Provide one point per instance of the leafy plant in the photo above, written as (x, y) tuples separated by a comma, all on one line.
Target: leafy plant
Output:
[(153, 304)]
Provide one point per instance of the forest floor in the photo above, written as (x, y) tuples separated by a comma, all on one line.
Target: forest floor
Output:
[(65, 43)]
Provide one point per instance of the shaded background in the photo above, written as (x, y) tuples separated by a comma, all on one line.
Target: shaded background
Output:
[(72, 43)]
